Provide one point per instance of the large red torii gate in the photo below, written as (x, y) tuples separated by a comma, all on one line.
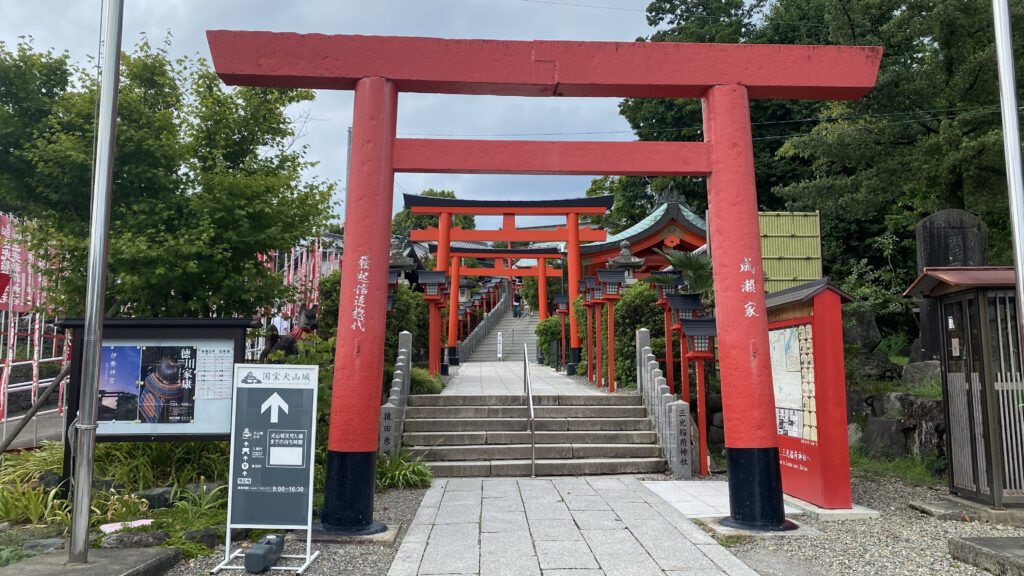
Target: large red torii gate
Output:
[(724, 76)]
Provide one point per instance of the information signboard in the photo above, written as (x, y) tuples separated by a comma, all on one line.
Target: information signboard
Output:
[(165, 386), (273, 420), (273, 433)]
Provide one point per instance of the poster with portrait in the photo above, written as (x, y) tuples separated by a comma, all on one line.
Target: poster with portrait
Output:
[(167, 384)]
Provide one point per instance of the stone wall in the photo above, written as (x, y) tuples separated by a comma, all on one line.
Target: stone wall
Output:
[(670, 416), (392, 413), (897, 424)]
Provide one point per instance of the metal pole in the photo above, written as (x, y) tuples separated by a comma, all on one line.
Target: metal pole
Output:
[(103, 166), (1011, 146)]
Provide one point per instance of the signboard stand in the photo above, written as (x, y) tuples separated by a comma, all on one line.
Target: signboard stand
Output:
[(806, 342), (499, 346), (273, 436)]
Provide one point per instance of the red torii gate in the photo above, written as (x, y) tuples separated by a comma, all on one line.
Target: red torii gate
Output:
[(724, 76), (572, 234)]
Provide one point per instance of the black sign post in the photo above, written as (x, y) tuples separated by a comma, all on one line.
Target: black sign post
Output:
[(273, 429)]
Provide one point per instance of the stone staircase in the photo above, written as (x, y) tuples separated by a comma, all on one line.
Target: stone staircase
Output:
[(464, 435), (515, 332)]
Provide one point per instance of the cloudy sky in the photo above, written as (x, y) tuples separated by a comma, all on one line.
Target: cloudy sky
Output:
[(74, 26)]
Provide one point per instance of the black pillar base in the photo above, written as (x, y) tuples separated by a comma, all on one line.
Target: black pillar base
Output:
[(570, 369), (348, 493), (453, 355), (574, 355), (444, 369), (755, 490)]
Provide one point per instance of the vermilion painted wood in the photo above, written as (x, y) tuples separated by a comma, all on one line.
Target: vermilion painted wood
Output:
[(453, 303), (748, 401), (443, 237), (542, 68), (572, 222), (826, 480), (467, 253), (516, 272), (500, 211), (546, 157), (359, 352), (830, 388), (430, 234), (542, 288)]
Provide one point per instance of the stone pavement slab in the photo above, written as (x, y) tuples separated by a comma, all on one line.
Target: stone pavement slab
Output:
[(584, 526), (507, 378), (701, 498)]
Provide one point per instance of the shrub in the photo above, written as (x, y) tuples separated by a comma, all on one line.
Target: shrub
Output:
[(25, 466), (421, 382), (400, 470), (33, 504), (548, 331)]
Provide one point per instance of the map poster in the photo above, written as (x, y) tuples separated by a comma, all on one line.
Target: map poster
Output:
[(167, 391), (784, 344)]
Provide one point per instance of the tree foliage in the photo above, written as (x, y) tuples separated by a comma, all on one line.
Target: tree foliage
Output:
[(405, 220), (926, 138), (204, 179)]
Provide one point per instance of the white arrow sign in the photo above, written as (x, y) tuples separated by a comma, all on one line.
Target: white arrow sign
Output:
[(274, 402)]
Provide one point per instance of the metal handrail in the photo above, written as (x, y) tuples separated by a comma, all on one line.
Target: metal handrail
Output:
[(528, 392)]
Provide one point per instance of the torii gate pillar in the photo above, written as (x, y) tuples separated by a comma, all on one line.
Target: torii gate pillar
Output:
[(755, 480), (359, 357)]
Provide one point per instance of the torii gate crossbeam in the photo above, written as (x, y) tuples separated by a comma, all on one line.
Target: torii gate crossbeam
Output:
[(724, 76)]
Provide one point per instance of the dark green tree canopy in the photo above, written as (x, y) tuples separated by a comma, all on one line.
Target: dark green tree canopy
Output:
[(205, 179), (405, 220)]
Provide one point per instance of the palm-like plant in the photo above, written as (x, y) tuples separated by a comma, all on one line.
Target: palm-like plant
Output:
[(695, 270)]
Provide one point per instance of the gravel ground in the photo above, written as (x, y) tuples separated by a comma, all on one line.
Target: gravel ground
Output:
[(902, 542), (392, 507)]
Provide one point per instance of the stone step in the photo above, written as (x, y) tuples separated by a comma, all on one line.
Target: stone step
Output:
[(521, 451), (517, 400), (513, 424), (428, 439), (429, 412), (548, 467)]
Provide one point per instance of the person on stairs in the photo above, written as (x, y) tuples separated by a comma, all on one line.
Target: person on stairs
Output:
[(517, 305)]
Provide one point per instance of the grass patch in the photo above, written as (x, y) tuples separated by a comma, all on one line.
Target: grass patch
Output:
[(421, 382), (909, 469), (24, 466), (931, 390), (401, 471), (733, 540), (10, 548)]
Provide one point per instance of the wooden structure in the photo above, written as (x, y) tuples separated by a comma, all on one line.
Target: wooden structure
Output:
[(571, 234), (805, 332), (982, 387), (724, 76)]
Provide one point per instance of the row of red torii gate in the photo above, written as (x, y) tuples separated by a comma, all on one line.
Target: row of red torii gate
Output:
[(672, 226), (725, 78)]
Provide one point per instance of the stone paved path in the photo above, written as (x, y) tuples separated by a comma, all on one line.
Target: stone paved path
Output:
[(700, 498), (507, 378), (578, 526)]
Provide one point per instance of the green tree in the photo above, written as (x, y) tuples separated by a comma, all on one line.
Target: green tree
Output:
[(636, 309), (928, 137), (205, 179), (405, 220), (681, 119)]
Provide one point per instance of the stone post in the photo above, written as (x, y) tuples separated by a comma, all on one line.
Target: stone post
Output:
[(678, 450), (389, 440)]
